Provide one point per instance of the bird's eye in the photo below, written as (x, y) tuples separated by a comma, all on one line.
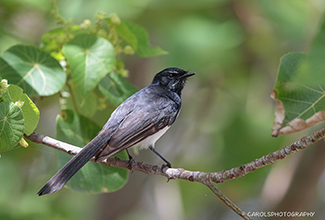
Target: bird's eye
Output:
[(171, 75)]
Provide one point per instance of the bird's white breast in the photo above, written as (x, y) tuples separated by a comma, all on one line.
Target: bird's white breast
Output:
[(151, 140)]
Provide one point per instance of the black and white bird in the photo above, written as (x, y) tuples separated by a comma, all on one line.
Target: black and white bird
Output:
[(140, 120)]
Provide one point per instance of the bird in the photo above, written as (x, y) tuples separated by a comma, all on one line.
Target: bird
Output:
[(140, 120)]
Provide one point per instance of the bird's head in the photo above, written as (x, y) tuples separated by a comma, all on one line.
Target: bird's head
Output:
[(172, 78)]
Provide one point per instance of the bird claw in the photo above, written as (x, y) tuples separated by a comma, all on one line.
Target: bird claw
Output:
[(168, 165), (131, 160)]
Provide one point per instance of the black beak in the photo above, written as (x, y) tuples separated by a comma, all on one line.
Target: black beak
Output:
[(186, 75)]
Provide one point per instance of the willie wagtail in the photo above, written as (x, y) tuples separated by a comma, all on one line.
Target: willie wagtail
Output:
[(141, 119)]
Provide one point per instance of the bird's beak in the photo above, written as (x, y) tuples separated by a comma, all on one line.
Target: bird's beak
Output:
[(186, 75)]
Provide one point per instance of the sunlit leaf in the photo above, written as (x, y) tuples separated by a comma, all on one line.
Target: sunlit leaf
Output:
[(11, 125), (90, 59), (94, 178), (30, 111), (138, 38), (35, 71)]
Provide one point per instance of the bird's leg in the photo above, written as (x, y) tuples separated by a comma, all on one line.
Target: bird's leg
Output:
[(158, 154), (131, 160)]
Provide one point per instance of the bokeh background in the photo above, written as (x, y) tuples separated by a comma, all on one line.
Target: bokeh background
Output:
[(226, 117)]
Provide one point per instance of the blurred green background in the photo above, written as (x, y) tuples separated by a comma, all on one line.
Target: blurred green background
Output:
[(226, 119)]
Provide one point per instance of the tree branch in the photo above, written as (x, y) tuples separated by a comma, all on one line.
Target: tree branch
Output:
[(227, 201), (111, 161), (221, 176), (197, 176)]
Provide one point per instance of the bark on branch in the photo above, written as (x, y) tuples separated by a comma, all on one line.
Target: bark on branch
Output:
[(180, 173)]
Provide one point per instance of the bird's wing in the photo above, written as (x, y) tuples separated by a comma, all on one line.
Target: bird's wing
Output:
[(143, 121)]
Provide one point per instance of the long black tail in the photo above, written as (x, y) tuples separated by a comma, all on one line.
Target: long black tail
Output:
[(75, 164)]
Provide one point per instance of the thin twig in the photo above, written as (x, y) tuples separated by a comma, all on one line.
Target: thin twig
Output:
[(73, 98), (227, 201)]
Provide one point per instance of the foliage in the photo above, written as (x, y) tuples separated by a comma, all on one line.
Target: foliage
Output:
[(300, 88), (80, 63)]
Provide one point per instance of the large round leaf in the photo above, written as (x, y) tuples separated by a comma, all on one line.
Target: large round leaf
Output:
[(30, 111), (33, 70), (90, 58), (11, 125)]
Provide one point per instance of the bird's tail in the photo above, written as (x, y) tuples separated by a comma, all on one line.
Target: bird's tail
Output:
[(75, 164)]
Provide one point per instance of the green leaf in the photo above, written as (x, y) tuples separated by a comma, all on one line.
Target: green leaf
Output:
[(90, 59), (138, 39), (300, 88), (295, 99), (300, 100), (11, 125), (35, 71), (94, 178), (116, 88), (313, 68), (85, 104), (30, 111), (53, 40)]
